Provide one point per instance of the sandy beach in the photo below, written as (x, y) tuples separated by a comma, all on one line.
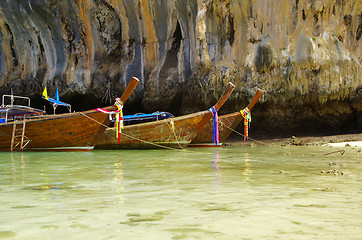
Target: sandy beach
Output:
[(345, 140)]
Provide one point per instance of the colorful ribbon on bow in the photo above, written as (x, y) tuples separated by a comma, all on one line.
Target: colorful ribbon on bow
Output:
[(247, 119), (215, 126), (118, 118)]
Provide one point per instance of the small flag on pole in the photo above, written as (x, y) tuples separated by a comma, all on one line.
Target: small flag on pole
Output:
[(45, 94), (57, 95)]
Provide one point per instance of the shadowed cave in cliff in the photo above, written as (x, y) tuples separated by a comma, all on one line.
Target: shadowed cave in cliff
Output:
[(177, 38), (172, 98)]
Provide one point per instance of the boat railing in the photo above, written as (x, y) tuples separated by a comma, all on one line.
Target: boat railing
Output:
[(10, 112), (12, 99)]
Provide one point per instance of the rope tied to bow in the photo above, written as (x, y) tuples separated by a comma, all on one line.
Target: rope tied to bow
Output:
[(118, 117)]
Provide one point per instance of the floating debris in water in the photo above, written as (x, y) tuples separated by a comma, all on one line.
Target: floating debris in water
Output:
[(333, 164), (137, 218), (334, 172), (340, 151)]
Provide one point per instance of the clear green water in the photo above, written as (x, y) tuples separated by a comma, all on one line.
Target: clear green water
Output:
[(229, 193)]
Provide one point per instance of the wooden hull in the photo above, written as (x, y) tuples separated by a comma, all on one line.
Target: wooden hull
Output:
[(227, 123), (156, 134), (64, 132), (167, 133)]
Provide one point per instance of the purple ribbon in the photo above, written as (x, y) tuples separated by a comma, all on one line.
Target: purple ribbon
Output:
[(215, 126)]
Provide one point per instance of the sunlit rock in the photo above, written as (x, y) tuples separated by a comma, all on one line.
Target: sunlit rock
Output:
[(305, 54)]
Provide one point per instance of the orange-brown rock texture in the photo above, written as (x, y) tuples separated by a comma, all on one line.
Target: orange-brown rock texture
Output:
[(305, 54)]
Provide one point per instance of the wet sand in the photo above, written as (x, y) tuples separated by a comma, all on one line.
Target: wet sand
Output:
[(333, 140)]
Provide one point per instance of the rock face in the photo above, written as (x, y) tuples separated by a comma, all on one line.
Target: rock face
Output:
[(305, 54)]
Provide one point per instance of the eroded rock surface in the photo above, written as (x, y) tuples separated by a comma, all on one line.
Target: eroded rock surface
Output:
[(305, 54)]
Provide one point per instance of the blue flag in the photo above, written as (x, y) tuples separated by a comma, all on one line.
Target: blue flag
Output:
[(57, 95)]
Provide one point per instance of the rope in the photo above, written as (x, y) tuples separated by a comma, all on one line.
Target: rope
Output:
[(222, 124), (94, 120), (141, 140), (154, 144), (118, 117), (165, 147), (172, 127)]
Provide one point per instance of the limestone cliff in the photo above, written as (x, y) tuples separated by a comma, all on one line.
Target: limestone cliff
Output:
[(305, 54)]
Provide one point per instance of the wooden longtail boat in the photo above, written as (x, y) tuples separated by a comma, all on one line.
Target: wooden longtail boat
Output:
[(172, 133), (227, 123), (26, 129)]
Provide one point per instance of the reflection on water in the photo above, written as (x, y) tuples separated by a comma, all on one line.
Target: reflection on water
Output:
[(246, 169), (216, 167), (228, 193), (117, 180)]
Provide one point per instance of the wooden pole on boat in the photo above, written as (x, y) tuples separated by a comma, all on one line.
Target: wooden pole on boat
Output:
[(225, 96), (217, 106), (130, 87), (255, 99)]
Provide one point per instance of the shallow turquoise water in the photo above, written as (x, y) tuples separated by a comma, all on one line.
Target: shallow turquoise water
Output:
[(228, 193)]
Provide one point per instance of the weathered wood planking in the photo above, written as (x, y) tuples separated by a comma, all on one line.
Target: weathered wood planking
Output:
[(160, 133)]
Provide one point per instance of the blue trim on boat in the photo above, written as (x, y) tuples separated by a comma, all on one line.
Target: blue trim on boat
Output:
[(147, 116), (17, 110), (144, 117)]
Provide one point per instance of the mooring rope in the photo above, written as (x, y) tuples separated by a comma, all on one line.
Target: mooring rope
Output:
[(222, 124), (172, 127), (154, 144), (165, 147), (141, 140)]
